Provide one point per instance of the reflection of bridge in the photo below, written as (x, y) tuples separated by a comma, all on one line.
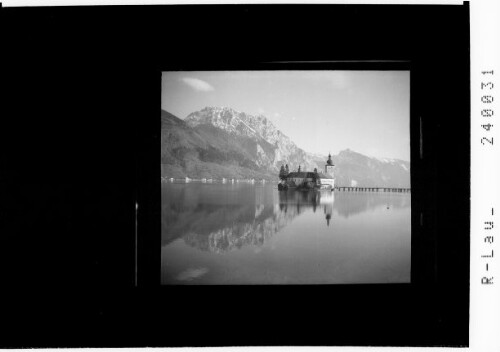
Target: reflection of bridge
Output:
[(373, 189)]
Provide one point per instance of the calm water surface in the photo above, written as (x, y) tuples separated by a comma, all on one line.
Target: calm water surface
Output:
[(253, 234)]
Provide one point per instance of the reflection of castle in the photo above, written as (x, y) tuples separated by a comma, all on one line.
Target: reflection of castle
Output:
[(250, 216), (260, 222), (310, 199), (327, 200)]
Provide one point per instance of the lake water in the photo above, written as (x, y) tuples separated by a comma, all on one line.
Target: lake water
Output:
[(254, 234)]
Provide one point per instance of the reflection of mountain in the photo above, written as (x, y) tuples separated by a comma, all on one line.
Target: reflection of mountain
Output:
[(237, 235), (220, 218)]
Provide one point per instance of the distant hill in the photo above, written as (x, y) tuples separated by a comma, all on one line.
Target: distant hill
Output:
[(355, 169), (220, 142), (270, 147), (207, 151)]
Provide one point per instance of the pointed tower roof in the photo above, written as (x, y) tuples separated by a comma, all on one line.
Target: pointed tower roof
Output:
[(329, 161)]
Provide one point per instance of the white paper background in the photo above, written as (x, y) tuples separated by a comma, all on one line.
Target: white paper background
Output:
[(484, 328)]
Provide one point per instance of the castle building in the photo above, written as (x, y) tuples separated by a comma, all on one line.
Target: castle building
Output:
[(329, 166), (318, 180), (327, 179)]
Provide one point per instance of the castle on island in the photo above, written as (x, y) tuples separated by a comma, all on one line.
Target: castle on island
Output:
[(307, 179)]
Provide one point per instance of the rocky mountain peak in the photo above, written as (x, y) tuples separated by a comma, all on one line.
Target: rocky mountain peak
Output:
[(222, 142), (240, 123)]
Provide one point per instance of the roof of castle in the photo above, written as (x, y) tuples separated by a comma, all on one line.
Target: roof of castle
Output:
[(302, 174), (308, 174), (322, 175)]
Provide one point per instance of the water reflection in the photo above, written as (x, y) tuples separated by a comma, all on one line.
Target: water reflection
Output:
[(297, 201), (249, 234), (352, 203), (222, 218), (220, 222)]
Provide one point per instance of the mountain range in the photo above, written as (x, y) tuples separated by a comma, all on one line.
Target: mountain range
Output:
[(218, 142)]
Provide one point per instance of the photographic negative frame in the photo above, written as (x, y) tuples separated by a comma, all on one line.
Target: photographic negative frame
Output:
[(436, 267), (121, 68)]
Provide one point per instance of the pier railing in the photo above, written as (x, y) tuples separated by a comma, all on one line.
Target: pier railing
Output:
[(213, 180), (373, 189)]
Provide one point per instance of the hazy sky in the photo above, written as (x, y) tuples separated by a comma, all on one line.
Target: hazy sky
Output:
[(321, 111)]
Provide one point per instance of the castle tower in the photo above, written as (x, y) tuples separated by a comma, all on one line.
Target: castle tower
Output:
[(329, 166)]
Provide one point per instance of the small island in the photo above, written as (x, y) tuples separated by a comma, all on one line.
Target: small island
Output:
[(303, 180)]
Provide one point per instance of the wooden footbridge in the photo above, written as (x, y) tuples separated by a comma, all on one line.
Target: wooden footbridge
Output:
[(373, 189)]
